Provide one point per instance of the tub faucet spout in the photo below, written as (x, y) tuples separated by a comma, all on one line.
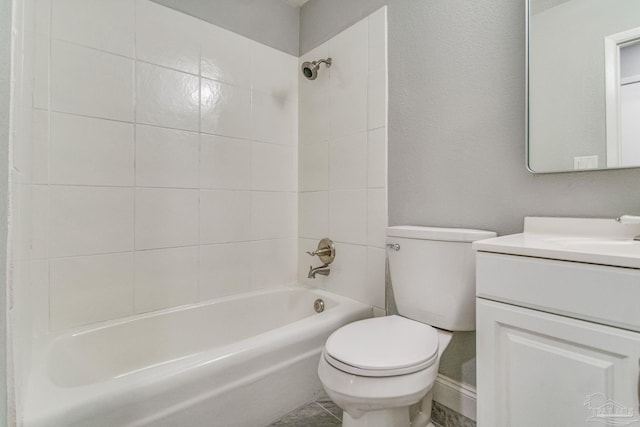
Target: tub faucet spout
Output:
[(322, 270)]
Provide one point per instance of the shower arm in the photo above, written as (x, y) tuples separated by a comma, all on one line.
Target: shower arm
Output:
[(320, 61)]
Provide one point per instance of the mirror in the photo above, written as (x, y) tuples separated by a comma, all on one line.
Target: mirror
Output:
[(583, 69)]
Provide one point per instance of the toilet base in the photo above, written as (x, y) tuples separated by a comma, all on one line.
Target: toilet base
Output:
[(397, 417)]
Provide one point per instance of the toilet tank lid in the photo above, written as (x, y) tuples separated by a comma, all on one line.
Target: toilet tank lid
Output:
[(437, 233)]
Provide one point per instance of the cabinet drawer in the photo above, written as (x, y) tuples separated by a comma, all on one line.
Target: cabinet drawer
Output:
[(598, 293)]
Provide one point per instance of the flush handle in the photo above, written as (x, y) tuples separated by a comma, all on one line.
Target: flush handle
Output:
[(394, 246)]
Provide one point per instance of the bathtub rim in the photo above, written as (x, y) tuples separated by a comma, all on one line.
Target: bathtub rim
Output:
[(43, 397)]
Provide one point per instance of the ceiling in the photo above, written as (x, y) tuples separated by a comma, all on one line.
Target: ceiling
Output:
[(296, 3)]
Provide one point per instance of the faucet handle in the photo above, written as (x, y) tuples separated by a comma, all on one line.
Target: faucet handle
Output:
[(326, 251), (318, 252)]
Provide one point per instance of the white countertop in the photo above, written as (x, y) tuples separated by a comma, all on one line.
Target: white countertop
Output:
[(595, 241)]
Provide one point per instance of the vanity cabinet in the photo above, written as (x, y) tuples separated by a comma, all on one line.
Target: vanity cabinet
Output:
[(558, 342)]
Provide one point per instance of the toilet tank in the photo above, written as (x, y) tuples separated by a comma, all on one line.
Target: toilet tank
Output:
[(433, 274)]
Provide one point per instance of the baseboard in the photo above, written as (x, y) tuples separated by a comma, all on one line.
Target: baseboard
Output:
[(456, 396)]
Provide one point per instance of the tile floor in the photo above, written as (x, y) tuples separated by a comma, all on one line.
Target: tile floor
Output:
[(321, 413), (324, 413)]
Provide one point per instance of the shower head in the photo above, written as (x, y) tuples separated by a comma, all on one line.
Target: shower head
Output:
[(310, 69)]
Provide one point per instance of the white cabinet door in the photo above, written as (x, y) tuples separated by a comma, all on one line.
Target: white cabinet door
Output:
[(537, 369)]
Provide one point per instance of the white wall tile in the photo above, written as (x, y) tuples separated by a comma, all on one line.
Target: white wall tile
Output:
[(273, 215), (375, 279), (166, 37), (272, 118), (224, 270), (166, 97), (274, 71), (376, 217), (314, 166), (349, 272), (21, 319), (225, 216), (313, 215), (40, 148), (348, 162), (101, 24), (88, 151), (348, 109), (378, 40), (166, 157), (226, 109), (21, 154), (273, 263), (273, 167), (347, 213), (349, 51), (90, 220), (39, 296), (21, 200), (39, 245), (25, 79), (225, 163), (41, 75), (314, 99), (91, 83), (90, 289), (314, 116), (166, 218), (42, 17), (377, 158), (226, 56), (377, 103), (165, 278)]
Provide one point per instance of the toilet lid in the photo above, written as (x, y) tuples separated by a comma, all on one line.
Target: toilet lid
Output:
[(382, 347)]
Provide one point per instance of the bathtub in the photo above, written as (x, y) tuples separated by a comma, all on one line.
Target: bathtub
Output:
[(238, 361)]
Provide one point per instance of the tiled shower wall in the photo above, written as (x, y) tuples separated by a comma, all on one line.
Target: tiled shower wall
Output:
[(164, 162), (343, 158)]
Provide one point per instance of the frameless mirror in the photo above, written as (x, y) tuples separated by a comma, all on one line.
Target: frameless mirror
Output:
[(583, 84)]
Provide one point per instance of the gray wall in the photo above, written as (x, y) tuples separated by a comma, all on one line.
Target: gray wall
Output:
[(5, 69), (322, 19), (271, 22), (456, 125)]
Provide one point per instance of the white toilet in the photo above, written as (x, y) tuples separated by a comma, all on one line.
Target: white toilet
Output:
[(375, 369)]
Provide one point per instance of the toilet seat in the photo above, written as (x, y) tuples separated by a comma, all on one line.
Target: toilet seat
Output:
[(382, 347)]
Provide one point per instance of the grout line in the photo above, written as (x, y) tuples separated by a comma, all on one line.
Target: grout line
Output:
[(135, 58), (135, 123), (199, 213), (134, 187), (135, 146), (326, 410), (49, 137)]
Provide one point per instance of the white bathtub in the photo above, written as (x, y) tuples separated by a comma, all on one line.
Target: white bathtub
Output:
[(239, 361)]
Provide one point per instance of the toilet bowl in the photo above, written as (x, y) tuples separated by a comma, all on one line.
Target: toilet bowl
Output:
[(375, 369)]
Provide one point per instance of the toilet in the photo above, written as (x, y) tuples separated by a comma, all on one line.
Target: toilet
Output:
[(375, 369)]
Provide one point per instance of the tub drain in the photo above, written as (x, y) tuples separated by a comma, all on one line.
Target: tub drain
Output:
[(318, 305)]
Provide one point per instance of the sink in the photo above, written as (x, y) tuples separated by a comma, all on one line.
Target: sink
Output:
[(590, 240), (613, 247)]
